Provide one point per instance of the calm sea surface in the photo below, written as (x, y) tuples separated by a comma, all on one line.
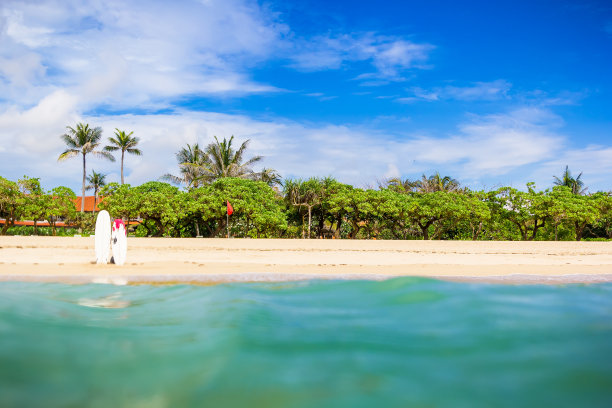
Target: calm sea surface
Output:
[(403, 342)]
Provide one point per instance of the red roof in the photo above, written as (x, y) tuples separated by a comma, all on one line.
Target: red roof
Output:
[(89, 203)]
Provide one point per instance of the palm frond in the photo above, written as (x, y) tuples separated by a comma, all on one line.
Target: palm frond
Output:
[(253, 160), (172, 178), (67, 154), (69, 140), (102, 154)]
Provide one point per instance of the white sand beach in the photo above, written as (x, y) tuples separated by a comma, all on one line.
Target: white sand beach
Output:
[(185, 260)]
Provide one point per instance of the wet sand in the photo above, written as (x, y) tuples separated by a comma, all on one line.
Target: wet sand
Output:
[(192, 260)]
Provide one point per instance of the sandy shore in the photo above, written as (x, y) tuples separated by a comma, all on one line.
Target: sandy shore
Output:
[(168, 260)]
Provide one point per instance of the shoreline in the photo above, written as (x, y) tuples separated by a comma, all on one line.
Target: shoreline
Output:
[(217, 260)]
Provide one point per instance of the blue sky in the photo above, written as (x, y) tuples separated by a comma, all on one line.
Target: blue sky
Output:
[(491, 93)]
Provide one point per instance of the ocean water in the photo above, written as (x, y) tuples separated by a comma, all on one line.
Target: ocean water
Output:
[(404, 342)]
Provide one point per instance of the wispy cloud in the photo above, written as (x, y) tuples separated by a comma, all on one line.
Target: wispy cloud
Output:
[(546, 98), (132, 53), (495, 144), (478, 91), (151, 53), (389, 56), (593, 161), (510, 146)]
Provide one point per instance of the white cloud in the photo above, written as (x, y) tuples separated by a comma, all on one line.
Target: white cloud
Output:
[(392, 171), (390, 56), (28, 132), (593, 161), (518, 146), (132, 53), (495, 144), (479, 91)]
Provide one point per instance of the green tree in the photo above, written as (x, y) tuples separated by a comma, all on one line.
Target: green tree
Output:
[(575, 184), (604, 221), (204, 208), (60, 206), (10, 203), (83, 140), (32, 200), (120, 201), (471, 217), (161, 207), (96, 182), (528, 211), (125, 143), (353, 205), (427, 210), (304, 194), (580, 211), (257, 209)]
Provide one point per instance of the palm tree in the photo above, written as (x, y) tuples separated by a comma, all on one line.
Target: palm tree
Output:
[(575, 184), (399, 185), (224, 161), (436, 182), (96, 182), (125, 143), (83, 140), (305, 193), (192, 161), (270, 176)]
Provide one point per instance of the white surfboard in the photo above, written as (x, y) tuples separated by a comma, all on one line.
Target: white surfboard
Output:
[(119, 242), (103, 236)]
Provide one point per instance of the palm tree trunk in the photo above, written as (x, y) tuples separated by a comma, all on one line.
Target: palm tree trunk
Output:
[(122, 154), (83, 190)]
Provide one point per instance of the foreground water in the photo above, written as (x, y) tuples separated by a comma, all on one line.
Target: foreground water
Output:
[(402, 342)]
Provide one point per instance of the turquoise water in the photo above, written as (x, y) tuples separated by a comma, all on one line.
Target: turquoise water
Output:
[(402, 342)]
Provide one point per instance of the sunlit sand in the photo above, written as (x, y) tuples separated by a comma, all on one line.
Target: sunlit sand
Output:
[(170, 260)]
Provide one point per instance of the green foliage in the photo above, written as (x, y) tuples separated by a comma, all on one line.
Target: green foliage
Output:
[(219, 159), (10, 200), (33, 201), (319, 207), (43, 231), (60, 205), (528, 211), (575, 185), (160, 206), (255, 204)]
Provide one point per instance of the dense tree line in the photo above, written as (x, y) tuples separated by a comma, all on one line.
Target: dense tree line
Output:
[(433, 207), (326, 208)]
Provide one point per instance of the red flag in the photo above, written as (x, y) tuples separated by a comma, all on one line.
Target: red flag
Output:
[(230, 209)]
